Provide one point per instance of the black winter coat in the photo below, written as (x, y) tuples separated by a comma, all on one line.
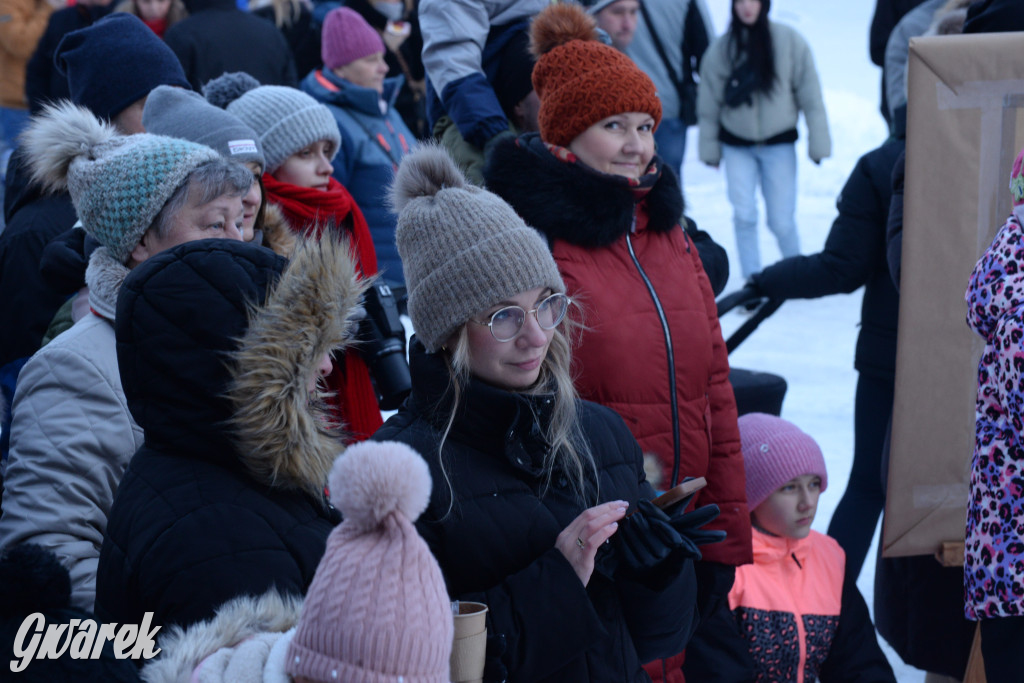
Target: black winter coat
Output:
[(27, 300), (190, 528), (217, 37), (854, 256), (497, 543)]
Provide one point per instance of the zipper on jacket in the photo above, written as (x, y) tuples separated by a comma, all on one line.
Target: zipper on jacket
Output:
[(793, 555), (668, 349)]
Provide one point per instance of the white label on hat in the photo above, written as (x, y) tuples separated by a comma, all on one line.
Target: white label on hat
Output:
[(242, 147)]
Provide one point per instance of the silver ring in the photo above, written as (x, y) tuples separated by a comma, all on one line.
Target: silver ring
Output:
[(580, 543)]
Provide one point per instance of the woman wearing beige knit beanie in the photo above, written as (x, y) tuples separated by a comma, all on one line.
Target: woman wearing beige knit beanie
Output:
[(532, 485)]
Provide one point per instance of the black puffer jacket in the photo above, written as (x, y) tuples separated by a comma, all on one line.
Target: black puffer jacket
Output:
[(217, 37), (497, 544), (854, 256), (191, 525)]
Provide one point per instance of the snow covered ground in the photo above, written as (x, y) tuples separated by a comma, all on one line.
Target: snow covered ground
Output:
[(811, 343)]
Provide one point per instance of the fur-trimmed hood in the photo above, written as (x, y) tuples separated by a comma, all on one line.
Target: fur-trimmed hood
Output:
[(182, 650), (284, 438), (565, 200), (104, 276), (276, 234)]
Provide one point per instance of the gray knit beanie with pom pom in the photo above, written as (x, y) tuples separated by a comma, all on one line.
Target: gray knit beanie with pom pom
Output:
[(463, 248), (286, 120)]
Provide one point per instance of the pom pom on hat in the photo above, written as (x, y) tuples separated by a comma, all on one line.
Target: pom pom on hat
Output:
[(579, 79), (377, 609), (228, 87), (463, 248), (372, 480), (775, 451)]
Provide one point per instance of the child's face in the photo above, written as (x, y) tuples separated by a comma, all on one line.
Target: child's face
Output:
[(309, 167), (790, 510)]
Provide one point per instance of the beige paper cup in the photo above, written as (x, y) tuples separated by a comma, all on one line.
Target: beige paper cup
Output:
[(469, 651)]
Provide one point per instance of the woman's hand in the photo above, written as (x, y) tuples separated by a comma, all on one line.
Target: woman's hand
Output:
[(580, 541)]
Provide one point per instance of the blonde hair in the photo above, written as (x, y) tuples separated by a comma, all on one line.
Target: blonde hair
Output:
[(285, 11), (569, 449)]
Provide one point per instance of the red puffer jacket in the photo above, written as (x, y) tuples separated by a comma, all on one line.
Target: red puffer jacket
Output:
[(652, 349)]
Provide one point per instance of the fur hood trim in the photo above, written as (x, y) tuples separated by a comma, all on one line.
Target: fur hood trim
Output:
[(243, 617), (62, 133), (277, 235), (104, 276), (566, 201), (284, 438)]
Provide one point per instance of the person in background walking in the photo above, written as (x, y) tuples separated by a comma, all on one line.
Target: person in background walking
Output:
[(754, 82)]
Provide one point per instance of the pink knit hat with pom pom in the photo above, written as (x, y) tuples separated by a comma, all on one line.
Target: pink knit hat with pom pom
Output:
[(377, 610)]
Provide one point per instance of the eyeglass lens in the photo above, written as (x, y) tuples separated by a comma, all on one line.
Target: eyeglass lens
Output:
[(506, 322)]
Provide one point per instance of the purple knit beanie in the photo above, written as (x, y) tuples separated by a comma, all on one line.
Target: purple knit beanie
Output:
[(347, 37), (377, 610), (775, 451)]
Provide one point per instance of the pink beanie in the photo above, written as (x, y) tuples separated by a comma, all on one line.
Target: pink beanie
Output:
[(1017, 179), (377, 610), (775, 451), (347, 37)]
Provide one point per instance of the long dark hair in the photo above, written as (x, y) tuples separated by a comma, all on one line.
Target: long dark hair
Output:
[(756, 43)]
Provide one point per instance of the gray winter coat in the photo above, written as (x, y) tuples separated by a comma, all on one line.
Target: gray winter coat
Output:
[(796, 89), (71, 438)]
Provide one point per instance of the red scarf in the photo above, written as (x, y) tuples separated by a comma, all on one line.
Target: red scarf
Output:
[(308, 209), (158, 26)]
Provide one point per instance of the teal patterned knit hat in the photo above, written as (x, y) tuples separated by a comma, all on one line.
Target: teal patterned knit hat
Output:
[(118, 183)]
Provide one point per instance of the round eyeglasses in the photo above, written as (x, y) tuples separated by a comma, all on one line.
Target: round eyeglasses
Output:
[(505, 323)]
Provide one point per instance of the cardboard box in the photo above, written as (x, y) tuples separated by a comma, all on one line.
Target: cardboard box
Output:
[(965, 124)]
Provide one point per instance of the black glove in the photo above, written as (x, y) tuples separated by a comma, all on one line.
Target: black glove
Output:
[(646, 548), (495, 670), (688, 525)]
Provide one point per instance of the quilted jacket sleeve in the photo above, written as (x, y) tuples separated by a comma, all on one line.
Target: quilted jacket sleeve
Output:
[(727, 484), (807, 88), (714, 73), (71, 439)]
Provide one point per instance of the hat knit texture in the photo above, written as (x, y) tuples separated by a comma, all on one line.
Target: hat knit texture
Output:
[(377, 608), (579, 79), (286, 120), (116, 62), (347, 37), (1017, 179), (187, 115), (118, 183), (775, 451), (463, 248)]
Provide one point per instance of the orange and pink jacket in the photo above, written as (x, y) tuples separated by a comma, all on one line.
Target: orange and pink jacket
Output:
[(800, 623)]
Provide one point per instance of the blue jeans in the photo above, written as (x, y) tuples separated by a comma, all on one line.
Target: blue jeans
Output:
[(671, 141), (774, 168)]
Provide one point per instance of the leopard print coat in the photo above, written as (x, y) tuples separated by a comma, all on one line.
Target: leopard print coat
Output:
[(994, 562)]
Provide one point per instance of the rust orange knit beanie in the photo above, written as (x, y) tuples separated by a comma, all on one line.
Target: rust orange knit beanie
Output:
[(579, 79)]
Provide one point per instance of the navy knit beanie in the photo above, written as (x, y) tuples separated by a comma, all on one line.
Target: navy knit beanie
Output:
[(116, 62)]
